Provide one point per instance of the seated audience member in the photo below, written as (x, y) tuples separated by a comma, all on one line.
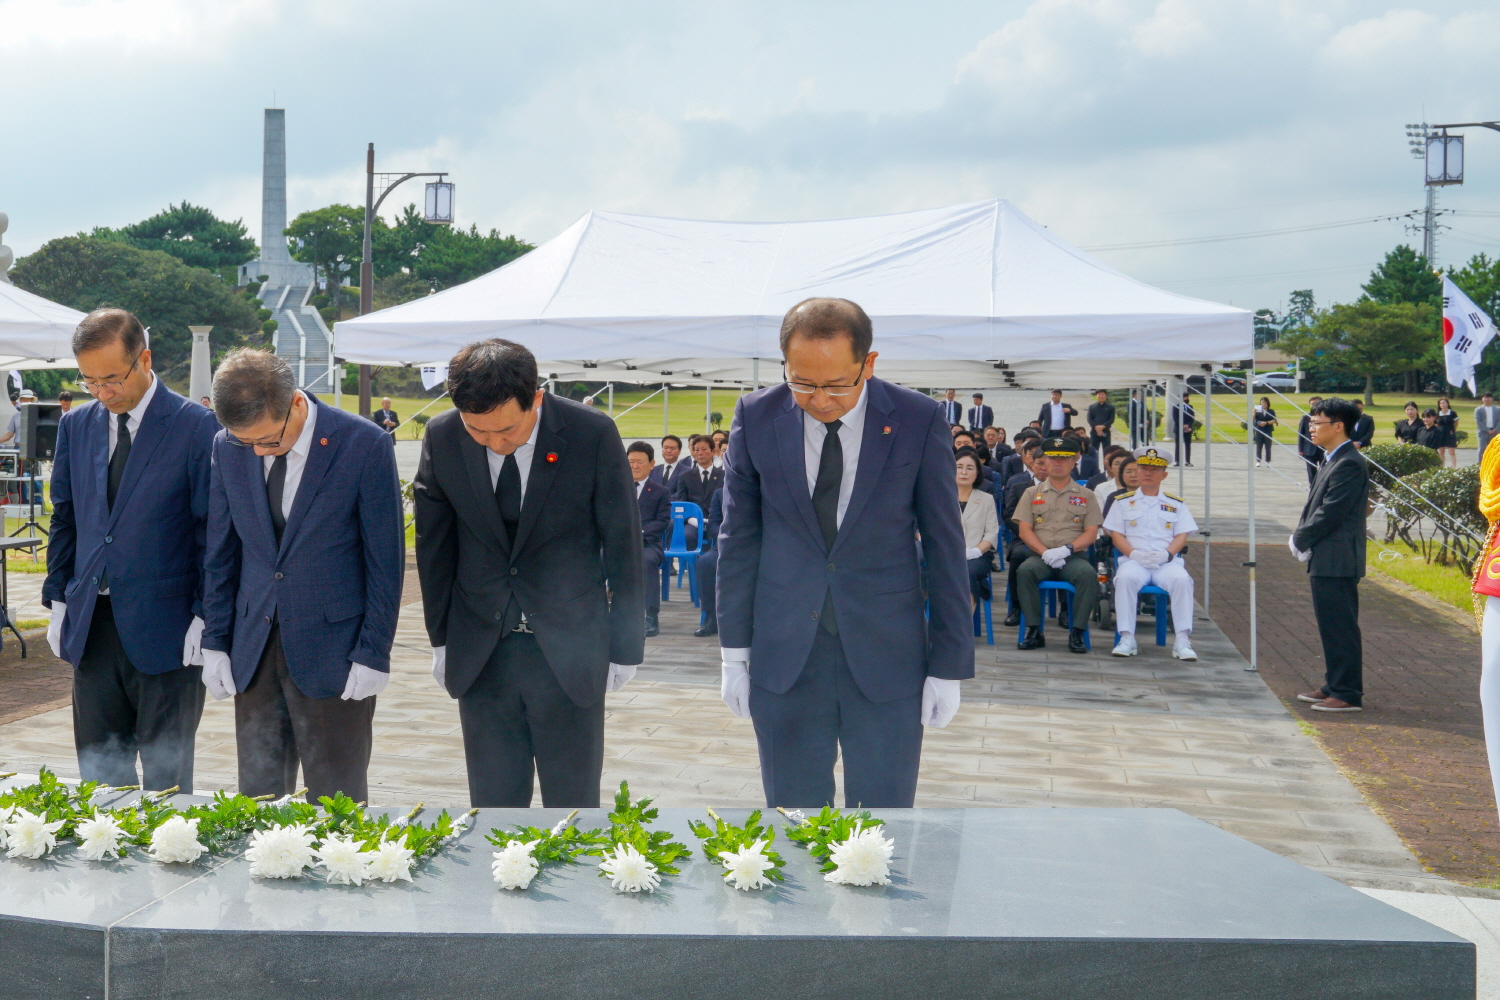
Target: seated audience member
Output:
[(708, 568), (1058, 519), (1013, 464), (994, 440), (1406, 430), (1431, 433), (656, 516), (720, 441), (697, 483), (981, 524), (1112, 456), (1088, 462), (1128, 473), (673, 461), (1149, 529), (957, 429), (1016, 552)]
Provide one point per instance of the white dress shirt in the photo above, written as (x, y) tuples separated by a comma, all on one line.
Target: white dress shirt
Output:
[(1058, 420), (133, 420), (640, 484), (1329, 454), (851, 434), (296, 459), (523, 455)]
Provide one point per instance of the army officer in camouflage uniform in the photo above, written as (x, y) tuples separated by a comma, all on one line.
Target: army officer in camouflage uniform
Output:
[(1057, 519)]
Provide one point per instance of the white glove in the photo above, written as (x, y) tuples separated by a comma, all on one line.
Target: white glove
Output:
[(1291, 543), (192, 643), (364, 682), (620, 674), (1146, 558), (1058, 556), (218, 675), (973, 553), (54, 628), (734, 686), (939, 702), (440, 666)]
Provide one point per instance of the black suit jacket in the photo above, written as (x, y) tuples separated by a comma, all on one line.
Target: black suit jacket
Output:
[(1364, 430), (1044, 417), (980, 417), (381, 416), (1332, 527), (658, 472), (1305, 446), (1101, 414), (656, 514), (688, 485), (576, 566), (953, 411)]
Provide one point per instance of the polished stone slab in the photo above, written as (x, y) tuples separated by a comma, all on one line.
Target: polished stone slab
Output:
[(1036, 903)]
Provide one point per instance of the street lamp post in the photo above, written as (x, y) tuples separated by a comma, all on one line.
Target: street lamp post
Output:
[(438, 211)]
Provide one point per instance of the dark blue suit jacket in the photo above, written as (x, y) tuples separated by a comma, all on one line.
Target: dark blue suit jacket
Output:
[(656, 514), (980, 417), (953, 411), (774, 567), (714, 518), (334, 583), (151, 542), (685, 462)]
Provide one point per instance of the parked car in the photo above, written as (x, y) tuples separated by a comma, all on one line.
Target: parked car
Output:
[(1222, 383), (1281, 381)]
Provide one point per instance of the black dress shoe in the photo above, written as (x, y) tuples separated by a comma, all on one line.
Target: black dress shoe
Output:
[(1033, 639), (651, 626), (708, 628), (1014, 618), (1075, 641)]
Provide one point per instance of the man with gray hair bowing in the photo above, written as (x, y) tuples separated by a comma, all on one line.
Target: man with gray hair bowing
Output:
[(830, 478), (306, 552)]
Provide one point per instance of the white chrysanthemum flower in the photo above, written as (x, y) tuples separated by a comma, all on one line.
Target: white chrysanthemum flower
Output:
[(514, 867), (7, 813), (99, 837), (345, 860), (863, 859), (629, 871), (747, 866), (390, 862), (176, 840), (280, 852), (28, 835)]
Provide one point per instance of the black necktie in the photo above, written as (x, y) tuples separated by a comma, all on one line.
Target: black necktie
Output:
[(119, 458), (508, 495), (275, 491), (825, 500)]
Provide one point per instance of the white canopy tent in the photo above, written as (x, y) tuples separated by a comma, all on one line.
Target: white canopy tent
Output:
[(34, 332), (974, 294)]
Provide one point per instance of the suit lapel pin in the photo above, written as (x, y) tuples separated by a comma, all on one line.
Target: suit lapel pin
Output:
[(322, 441), (886, 430), (551, 456)]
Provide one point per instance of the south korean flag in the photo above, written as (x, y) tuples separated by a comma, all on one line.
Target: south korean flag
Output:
[(1466, 333)]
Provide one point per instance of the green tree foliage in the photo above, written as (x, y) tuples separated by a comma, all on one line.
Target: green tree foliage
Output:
[(192, 234), (165, 293), (329, 238), (1404, 276), (441, 256), (1365, 338)]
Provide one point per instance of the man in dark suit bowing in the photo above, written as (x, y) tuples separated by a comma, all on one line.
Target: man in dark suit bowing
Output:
[(130, 479), (1330, 538), (529, 551), (306, 553), (656, 515), (831, 477)]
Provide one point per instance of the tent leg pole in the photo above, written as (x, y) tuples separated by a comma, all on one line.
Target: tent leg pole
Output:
[(1250, 493), (708, 409), (755, 371), (666, 392), (611, 401), (1208, 481)]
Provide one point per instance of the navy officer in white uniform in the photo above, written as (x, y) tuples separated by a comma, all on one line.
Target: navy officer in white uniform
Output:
[(1150, 528)]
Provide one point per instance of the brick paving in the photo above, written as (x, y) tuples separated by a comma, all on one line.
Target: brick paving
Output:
[(1417, 751), (38, 683)]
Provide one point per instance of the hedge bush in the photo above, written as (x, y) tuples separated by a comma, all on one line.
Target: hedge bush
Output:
[(1455, 492), (1401, 460)]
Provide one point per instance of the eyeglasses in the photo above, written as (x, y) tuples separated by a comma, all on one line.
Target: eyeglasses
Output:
[(94, 388), (1319, 423), (807, 388), (229, 436)]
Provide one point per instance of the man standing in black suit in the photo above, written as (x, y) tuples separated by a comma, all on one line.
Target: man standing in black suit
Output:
[(953, 410), (1330, 538), (1312, 455), (385, 418), (529, 552), (1055, 416), (656, 516), (1364, 427), (1101, 418), (980, 416)]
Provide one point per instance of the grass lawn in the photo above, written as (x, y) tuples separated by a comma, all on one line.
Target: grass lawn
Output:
[(1449, 584)]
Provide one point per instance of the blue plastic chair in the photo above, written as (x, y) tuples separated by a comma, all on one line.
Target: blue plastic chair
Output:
[(1050, 589), (1163, 608), (677, 549), (989, 622)]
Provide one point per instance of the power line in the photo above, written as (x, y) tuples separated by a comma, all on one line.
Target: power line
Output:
[(1149, 244)]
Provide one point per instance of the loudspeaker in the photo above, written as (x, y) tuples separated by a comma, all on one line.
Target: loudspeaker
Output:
[(39, 430)]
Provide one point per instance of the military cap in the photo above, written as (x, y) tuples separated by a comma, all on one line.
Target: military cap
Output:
[(1060, 447), (1150, 456)]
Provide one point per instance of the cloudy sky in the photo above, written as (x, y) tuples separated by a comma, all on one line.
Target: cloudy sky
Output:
[(1110, 121)]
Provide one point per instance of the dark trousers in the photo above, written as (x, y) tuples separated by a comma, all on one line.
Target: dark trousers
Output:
[(708, 577), (979, 576), (1014, 557), (276, 727), (1097, 444), (1335, 602), (1312, 468), (518, 721), (652, 563), (801, 732), (120, 713), (1077, 570), (1263, 443), (1184, 453)]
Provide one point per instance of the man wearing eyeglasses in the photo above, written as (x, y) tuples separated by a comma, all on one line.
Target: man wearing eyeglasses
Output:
[(130, 478), (1330, 539), (306, 553), (826, 646)]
